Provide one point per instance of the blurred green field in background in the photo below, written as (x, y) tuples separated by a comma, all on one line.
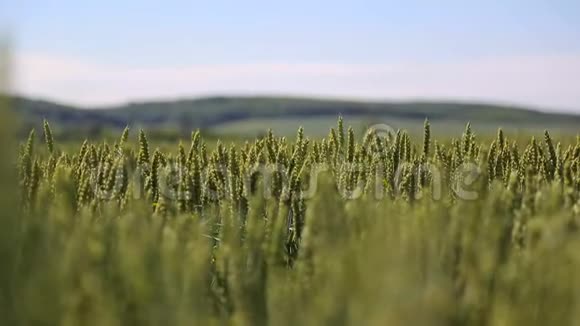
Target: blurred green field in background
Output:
[(250, 117)]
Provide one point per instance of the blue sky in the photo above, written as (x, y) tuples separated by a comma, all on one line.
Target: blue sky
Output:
[(101, 52)]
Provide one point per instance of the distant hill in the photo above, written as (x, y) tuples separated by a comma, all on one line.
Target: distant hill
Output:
[(219, 112)]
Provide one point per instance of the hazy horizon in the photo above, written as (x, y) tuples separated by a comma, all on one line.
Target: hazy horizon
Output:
[(168, 99)]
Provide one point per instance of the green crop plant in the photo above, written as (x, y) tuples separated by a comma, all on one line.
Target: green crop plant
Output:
[(349, 229), (143, 159)]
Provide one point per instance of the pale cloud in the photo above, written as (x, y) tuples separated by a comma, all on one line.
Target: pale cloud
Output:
[(548, 82)]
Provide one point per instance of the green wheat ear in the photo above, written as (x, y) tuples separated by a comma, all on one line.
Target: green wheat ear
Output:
[(467, 139), (143, 159), (124, 136), (182, 159), (552, 158), (300, 135), (350, 149), (500, 139), (426, 139), (29, 149), (340, 125), (48, 137)]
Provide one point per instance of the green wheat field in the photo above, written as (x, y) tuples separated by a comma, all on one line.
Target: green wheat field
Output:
[(372, 228)]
